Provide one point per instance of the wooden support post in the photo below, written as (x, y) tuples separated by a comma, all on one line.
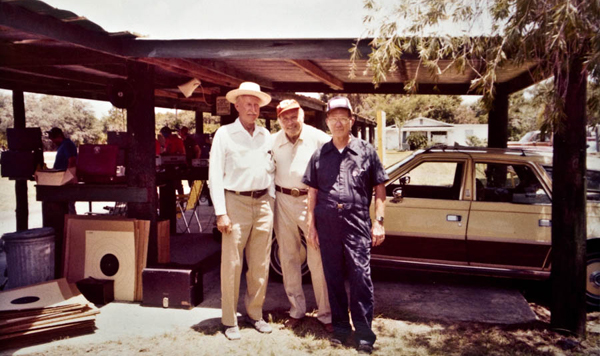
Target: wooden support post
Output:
[(372, 135), (498, 119), (199, 122), (141, 169), (320, 123), (22, 206), (355, 129), (363, 132), (568, 275), (268, 124)]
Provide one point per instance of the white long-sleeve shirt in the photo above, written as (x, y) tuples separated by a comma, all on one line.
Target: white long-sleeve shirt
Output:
[(239, 162)]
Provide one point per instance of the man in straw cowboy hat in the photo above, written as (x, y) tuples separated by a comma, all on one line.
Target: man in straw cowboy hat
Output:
[(240, 174), (292, 148)]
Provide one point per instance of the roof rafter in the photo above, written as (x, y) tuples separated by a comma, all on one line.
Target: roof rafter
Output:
[(311, 68)]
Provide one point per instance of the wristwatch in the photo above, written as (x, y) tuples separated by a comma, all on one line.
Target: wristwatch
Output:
[(379, 219)]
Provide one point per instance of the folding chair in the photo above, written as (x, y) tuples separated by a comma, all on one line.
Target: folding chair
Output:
[(187, 202)]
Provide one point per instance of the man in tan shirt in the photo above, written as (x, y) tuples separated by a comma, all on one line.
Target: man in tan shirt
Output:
[(240, 175), (292, 148)]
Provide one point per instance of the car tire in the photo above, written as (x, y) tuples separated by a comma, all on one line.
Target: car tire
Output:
[(593, 277), (276, 274)]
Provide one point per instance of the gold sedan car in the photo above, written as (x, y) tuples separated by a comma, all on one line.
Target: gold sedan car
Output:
[(477, 211)]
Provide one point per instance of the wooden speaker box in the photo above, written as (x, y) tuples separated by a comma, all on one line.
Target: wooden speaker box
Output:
[(172, 286)]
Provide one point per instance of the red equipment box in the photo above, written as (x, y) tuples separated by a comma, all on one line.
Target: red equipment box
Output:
[(98, 164)]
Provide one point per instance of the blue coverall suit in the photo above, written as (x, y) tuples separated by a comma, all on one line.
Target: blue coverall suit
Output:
[(345, 184)]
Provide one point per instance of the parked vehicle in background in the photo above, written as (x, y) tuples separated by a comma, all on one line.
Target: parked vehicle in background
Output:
[(533, 139), (479, 211)]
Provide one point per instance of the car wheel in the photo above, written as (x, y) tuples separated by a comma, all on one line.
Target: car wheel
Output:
[(276, 272), (592, 287)]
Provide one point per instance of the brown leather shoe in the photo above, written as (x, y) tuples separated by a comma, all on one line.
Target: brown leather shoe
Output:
[(328, 327), (291, 323)]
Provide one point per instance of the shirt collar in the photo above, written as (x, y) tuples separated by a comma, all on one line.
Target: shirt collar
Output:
[(353, 146), (238, 127)]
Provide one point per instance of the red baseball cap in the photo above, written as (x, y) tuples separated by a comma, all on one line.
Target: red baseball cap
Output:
[(286, 105)]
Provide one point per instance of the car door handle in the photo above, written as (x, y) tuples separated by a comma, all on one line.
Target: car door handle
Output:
[(454, 218), (545, 223)]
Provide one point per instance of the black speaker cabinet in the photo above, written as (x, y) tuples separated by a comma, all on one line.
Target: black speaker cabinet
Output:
[(172, 286), (18, 164), (25, 139)]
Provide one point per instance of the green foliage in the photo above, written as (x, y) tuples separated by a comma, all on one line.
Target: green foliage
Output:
[(475, 141), (401, 108), (416, 140), (73, 116), (547, 36)]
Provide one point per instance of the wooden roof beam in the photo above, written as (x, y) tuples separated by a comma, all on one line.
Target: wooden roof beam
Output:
[(183, 67), (19, 18), (19, 55), (314, 70), (222, 69)]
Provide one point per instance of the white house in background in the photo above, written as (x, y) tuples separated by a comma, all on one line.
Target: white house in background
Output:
[(441, 132), (392, 137)]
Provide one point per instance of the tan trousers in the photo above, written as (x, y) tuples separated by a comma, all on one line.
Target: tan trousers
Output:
[(290, 213), (252, 221)]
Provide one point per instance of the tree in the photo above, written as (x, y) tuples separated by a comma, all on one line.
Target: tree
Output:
[(562, 39), (73, 116), (401, 108)]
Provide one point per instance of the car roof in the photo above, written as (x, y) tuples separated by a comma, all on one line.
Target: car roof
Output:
[(489, 152)]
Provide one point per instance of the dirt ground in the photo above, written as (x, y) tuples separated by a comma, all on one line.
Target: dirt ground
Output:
[(415, 314)]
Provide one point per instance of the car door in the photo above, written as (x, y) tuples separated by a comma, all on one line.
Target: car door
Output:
[(428, 223), (510, 220)]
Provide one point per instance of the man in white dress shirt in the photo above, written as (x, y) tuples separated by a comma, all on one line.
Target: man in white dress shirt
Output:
[(240, 174), (292, 148)]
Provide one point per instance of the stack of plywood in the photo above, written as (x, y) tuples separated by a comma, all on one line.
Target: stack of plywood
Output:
[(107, 248), (51, 309)]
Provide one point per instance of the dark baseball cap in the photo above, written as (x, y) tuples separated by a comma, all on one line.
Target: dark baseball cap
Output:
[(54, 132), (339, 102)]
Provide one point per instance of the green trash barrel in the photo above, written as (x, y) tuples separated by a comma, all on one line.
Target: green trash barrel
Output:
[(29, 256)]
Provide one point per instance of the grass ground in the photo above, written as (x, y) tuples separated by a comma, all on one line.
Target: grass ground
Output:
[(397, 335)]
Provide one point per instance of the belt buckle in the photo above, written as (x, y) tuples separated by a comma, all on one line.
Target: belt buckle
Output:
[(295, 192), (254, 193), (340, 206)]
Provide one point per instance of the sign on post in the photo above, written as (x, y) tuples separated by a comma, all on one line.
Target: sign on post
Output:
[(223, 106)]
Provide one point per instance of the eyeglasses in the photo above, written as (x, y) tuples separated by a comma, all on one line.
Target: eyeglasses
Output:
[(342, 119)]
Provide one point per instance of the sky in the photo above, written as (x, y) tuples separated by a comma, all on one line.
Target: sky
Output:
[(220, 19)]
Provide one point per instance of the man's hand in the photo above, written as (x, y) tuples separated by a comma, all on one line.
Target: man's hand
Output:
[(377, 233), (313, 237), (224, 224)]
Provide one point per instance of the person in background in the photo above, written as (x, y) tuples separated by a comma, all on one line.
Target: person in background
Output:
[(342, 176), (192, 150), (66, 151), (66, 155), (240, 176), (173, 146), (292, 148)]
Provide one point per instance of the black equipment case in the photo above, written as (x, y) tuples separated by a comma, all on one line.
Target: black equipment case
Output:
[(172, 286)]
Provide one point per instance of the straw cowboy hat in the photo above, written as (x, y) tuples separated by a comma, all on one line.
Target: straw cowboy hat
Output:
[(249, 88)]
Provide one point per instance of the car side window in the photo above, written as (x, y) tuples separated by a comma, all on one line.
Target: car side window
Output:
[(511, 183), (431, 180)]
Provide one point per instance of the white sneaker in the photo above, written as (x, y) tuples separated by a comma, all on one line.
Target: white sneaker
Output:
[(232, 332), (261, 325)]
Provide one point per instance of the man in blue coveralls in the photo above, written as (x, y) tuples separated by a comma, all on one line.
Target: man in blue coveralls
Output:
[(341, 176)]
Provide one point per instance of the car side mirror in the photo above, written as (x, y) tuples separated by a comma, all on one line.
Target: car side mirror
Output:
[(405, 180)]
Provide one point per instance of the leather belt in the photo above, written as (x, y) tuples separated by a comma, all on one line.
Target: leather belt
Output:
[(250, 193), (295, 192)]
